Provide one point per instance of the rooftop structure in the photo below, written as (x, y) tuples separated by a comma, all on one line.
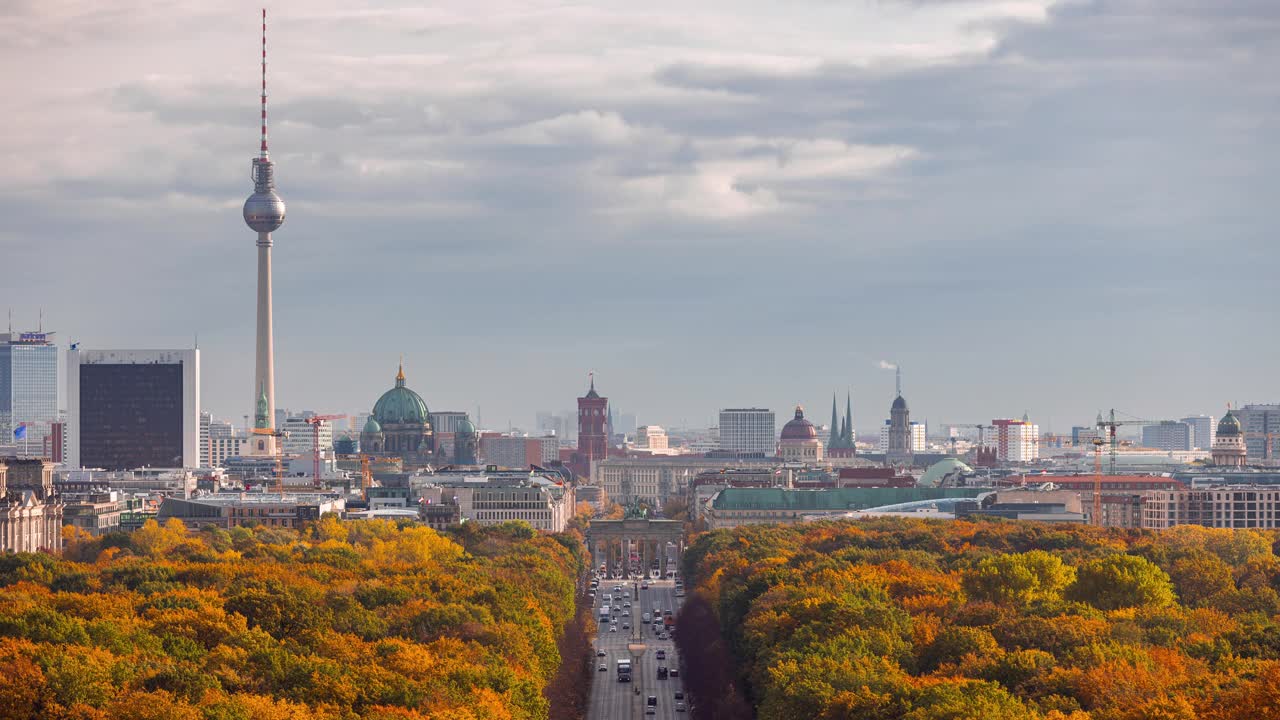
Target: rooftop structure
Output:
[(755, 506), (228, 510)]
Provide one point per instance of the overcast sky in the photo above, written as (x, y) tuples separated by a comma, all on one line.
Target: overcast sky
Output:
[(1031, 205)]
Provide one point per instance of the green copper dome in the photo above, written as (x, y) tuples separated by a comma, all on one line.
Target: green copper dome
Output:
[(400, 405), (466, 427), (372, 426), (1229, 425)]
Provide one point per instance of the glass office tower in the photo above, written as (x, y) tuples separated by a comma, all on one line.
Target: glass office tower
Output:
[(28, 388)]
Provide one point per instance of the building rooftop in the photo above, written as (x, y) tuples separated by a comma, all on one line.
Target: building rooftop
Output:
[(226, 499), (831, 499)]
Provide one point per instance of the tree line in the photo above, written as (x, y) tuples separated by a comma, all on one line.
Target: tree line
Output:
[(367, 619), (903, 619)]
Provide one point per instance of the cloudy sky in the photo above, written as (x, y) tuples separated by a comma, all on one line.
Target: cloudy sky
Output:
[(1031, 205)]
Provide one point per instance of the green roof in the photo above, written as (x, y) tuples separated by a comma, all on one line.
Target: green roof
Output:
[(937, 471), (832, 499)]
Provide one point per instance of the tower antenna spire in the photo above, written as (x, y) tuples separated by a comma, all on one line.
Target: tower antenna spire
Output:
[(898, 379), (263, 151)]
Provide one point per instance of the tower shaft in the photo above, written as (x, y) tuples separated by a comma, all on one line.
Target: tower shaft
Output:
[(264, 365)]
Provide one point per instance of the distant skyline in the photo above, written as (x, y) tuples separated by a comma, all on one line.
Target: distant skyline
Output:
[(1050, 207)]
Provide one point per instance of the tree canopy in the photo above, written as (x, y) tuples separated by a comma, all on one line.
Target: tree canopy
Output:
[(346, 620), (903, 619)]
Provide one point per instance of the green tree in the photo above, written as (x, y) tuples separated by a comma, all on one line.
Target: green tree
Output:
[(1021, 578), (1121, 581)]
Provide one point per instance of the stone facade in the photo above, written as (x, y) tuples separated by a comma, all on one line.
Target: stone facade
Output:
[(30, 507)]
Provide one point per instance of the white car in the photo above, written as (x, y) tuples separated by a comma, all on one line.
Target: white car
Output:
[(613, 628), (604, 668)]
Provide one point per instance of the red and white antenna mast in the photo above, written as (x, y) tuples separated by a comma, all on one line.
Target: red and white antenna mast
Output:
[(263, 152)]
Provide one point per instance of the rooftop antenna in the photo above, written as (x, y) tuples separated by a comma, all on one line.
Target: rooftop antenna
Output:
[(263, 151), (10, 321), (41, 327), (898, 375)]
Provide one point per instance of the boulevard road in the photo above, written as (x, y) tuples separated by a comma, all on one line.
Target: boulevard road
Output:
[(613, 700)]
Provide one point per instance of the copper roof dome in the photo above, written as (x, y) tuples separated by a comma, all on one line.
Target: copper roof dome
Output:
[(799, 428)]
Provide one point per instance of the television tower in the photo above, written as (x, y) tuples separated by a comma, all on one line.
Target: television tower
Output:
[(264, 212)]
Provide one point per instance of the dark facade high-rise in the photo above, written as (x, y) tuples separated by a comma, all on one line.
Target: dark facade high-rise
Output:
[(132, 409)]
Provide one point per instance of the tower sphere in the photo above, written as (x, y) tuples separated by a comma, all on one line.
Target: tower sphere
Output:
[(264, 211)]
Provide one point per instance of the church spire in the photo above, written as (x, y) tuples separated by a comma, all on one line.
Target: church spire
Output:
[(400, 373), (848, 418), (837, 433)]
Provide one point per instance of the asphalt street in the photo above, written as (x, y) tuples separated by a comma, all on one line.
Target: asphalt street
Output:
[(614, 700)]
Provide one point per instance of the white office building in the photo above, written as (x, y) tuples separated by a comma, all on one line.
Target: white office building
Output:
[(1014, 440), (1168, 435), (1202, 430), (651, 437), (916, 436), (748, 431), (493, 498), (302, 437)]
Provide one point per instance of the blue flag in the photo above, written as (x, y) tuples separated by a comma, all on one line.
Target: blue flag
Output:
[(20, 432)]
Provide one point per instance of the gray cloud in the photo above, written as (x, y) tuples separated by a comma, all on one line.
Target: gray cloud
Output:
[(957, 185)]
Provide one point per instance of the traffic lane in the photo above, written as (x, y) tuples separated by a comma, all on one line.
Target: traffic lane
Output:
[(611, 699), (662, 594), (604, 696)]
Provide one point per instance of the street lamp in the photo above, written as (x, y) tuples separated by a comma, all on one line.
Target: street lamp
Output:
[(636, 648)]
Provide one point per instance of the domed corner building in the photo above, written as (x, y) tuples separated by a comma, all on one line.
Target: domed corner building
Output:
[(799, 441), (1228, 445), (400, 426), (947, 472)]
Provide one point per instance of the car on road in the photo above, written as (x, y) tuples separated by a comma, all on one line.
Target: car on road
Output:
[(650, 711), (604, 668), (613, 628), (626, 626), (680, 707), (661, 654), (679, 694), (651, 701), (664, 636), (644, 585), (662, 672), (600, 653), (675, 672)]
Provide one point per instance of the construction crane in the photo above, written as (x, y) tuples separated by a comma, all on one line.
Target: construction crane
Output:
[(279, 451), (976, 426), (1097, 481), (314, 421), (1108, 426)]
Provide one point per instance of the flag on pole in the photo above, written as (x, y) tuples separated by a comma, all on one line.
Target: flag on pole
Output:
[(20, 432)]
